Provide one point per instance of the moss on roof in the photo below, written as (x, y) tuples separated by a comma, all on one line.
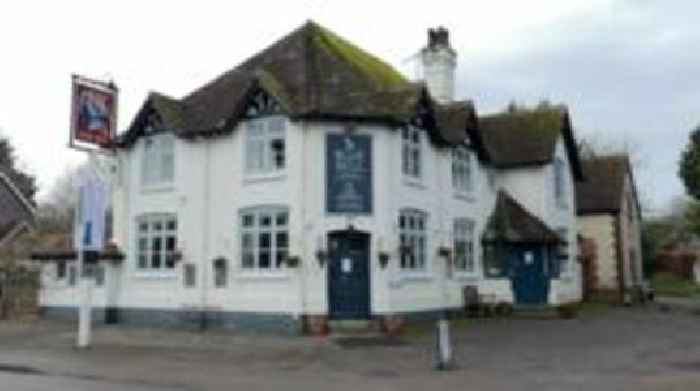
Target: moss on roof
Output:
[(370, 66), (523, 136)]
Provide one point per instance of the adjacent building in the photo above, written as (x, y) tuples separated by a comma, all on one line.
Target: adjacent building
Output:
[(314, 181), (609, 214)]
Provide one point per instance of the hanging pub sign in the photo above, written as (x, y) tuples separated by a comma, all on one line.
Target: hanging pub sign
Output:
[(93, 113), (349, 173)]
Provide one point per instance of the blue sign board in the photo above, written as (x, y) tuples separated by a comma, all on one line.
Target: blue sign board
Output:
[(349, 173)]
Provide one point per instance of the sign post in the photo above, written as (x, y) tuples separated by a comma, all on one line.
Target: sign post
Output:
[(90, 224), (92, 126)]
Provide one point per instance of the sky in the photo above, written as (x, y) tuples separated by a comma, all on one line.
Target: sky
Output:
[(628, 70)]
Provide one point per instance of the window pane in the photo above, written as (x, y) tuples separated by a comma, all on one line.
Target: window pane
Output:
[(248, 260), (415, 136), (172, 225), (143, 227), (281, 219), (158, 226), (281, 258), (282, 240), (248, 220), (143, 244), (265, 220), (170, 243), (264, 240), (156, 244), (278, 153), (247, 241), (264, 260), (143, 263), (155, 260)]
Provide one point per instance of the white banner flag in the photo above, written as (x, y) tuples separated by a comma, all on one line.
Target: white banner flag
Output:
[(92, 207)]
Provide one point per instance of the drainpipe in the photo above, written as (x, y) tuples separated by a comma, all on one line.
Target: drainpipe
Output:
[(205, 234)]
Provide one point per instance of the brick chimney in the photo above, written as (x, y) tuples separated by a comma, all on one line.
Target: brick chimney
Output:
[(439, 61)]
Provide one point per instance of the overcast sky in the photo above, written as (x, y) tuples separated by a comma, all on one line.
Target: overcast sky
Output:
[(628, 70)]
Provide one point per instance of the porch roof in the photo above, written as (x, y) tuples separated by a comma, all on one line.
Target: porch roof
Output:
[(511, 222)]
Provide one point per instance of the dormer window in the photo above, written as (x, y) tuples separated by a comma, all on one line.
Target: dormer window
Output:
[(462, 173), (265, 145), (560, 182), (411, 152), (158, 161)]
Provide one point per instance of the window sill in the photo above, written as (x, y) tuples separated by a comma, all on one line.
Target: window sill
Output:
[(267, 177), (465, 277), (262, 276), (415, 277), (165, 188), (155, 275), (414, 182), (465, 196)]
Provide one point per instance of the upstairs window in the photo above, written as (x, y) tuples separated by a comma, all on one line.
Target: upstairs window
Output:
[(411, 152), (156, 241), (265, 145), (464, 245), (412, 239), (560, 182), (264, 238), (562, 251), (158, 163), (462, 176)]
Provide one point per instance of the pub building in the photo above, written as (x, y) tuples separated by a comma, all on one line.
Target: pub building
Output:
[(313, 183)]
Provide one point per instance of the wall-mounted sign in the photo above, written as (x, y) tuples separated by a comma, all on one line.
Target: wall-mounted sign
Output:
[(93, 113), (349, 173)]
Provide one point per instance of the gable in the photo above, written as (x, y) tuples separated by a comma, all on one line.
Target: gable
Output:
[(603, 189)]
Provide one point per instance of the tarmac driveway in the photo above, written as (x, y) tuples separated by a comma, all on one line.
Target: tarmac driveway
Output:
[(615, 349)]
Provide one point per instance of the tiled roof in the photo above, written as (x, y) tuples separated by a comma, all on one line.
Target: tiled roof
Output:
[(313, 73), (602, 190), (510, 222), (528, 137)]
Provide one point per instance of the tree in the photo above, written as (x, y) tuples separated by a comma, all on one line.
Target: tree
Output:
[(9, 165), (689, 165)]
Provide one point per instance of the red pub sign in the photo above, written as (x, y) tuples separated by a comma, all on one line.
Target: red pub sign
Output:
[(93, 113)]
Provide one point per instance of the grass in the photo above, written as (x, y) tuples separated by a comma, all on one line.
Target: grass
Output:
[(667, 284)]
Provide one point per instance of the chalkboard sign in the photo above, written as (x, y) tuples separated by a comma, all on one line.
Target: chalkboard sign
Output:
[(349, 174)]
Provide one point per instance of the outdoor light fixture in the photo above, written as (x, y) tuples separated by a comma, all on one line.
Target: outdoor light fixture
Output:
[(383, 259), (321, 252)]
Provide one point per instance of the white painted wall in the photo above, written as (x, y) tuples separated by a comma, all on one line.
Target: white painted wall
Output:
[(210, 188)]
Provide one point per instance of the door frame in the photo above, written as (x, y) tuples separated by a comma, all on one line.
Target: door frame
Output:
[(349, 232)]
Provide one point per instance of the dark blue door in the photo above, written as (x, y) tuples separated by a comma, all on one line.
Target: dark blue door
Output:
[(529, 275), (348, 276)]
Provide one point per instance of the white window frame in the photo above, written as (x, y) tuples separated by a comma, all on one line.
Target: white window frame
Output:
[(158, 161), (162, 227), (261, 156), (411, 152), (462, 170), (253, 225), (560, 192), (464, 230), (413, 236)]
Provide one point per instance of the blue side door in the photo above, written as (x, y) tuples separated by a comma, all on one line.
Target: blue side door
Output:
[(529, 276), (348, 276)]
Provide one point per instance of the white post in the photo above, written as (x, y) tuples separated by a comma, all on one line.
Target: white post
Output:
[(85, 313)]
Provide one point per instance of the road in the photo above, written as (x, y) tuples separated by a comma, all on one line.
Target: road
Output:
[(618, 349)]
